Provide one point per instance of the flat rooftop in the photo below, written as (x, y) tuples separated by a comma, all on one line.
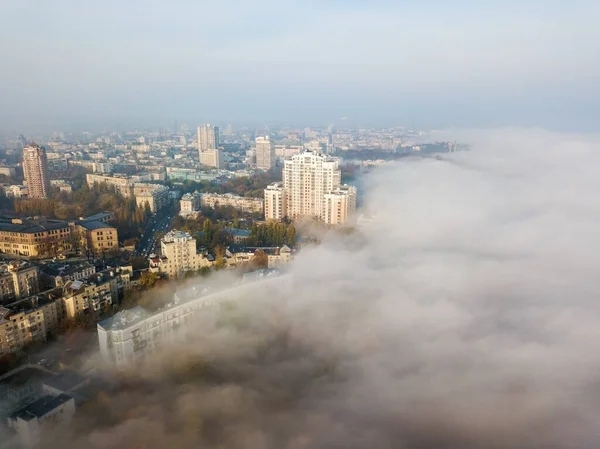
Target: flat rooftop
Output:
[(41, 407)]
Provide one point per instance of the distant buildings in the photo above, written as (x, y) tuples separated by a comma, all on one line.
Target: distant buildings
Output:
[(265, 153), (208, 146), (242, 203), (208, 137), (275, 202), (35, 170), (121, 184), (16, 191), (311, 188), (62, 185)]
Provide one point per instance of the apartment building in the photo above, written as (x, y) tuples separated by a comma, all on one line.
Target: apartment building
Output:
[(241, 203), (29, 320), (95, 295), (156, 196), (121, 184), (265, 153), (340, 205), (307, 177), (275, 202), (35, 170), (18, 280), (16, 191), (131, 335), (189, 204), (178, 255), (212, 158)]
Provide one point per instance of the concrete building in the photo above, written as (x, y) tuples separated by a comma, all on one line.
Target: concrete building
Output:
[(340, 205), (208, 137), (178, 255), (18, 280), (97, 294), (29, 422), (265, 153), (189, 204), (155, 195), (57, 274), (7, 171), (212, 158), (62, 185), (122, 184), (16, 191), (275, 202), (131, 335), (35, 170), (98, 236), (245, 204), (34, 238), (29, 320), (307, 177)]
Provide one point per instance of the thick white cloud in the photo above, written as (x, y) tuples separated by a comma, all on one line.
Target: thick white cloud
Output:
[(466, 316)]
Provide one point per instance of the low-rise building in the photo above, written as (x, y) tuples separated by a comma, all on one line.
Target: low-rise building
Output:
[(7, 171), (98, 236), (244, 204), (16, 191), (35, 238), (57, 274), (29, 422), (94, 296), (62, 185)]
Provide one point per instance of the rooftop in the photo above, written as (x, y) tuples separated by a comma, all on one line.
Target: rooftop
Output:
[(124, 319), (65, 381), (21, 377), (41, 407), (94, 225)]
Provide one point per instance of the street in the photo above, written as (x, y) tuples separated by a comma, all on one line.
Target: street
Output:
[(158, 223)]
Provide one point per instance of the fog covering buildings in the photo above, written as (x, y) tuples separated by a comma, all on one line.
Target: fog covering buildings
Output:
[(462, 315)]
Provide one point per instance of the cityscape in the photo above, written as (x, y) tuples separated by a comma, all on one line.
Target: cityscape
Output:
[(299, 225)]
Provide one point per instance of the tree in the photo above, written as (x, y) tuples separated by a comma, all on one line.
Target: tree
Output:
[(207, 228), (260, 260), (149, 279), (291, 235)]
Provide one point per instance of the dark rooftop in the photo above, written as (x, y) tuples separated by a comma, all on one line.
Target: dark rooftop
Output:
[(24, 376), (65, 382), (94, 225), (41, 407)]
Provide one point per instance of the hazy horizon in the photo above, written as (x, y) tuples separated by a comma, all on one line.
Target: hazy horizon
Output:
[(71, 65)]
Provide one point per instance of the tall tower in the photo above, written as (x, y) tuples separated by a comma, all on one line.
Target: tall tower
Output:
[(35, 169), (208, 137), (265, 153), (307, 177)]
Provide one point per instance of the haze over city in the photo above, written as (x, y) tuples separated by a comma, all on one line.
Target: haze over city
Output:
[(299, 224), (430, 64)]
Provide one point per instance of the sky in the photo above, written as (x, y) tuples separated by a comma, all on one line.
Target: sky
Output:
[(464, 316), (420, 63)]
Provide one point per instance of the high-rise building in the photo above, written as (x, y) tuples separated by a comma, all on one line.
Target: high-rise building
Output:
[(35, 169), (340, 205), (275, 204), (265, 153), (179, 255), (208, 137), (307, 177), (208, 146)]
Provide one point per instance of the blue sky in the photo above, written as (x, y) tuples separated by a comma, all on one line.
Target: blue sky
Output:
[(423, 63)]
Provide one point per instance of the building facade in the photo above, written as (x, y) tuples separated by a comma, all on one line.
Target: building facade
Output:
[(156, 196), (307, 177), (18, 280), (340, 205), (98, 236), (208, 137), (35, 170), (265, 153), (212, 158), (275, 202), (34, 238), (178, 255), (122, 184), (245, 204), (189, 204)]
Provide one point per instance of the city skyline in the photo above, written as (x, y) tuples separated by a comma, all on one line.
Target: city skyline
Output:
[(425, 64)]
